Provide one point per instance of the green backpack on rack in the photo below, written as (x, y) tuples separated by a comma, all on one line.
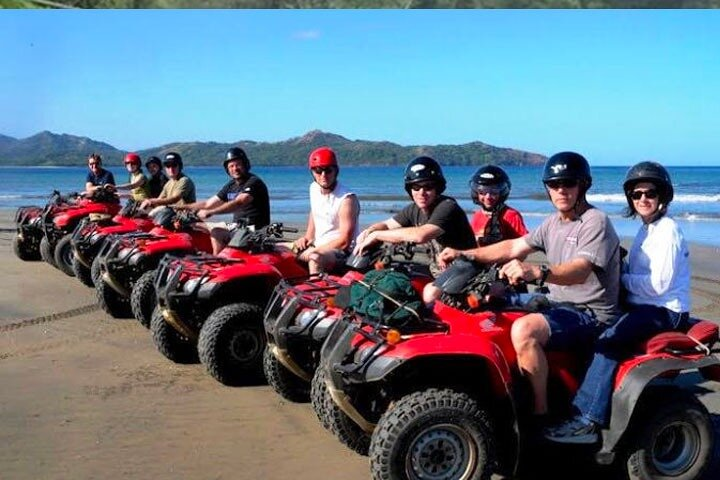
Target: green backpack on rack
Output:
[(386, 295)]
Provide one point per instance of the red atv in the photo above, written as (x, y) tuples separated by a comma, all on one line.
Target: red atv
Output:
[(438, 396), (59, 224), (91, 233), (302, 311), (127, 263), (29, 225), (213, 305)]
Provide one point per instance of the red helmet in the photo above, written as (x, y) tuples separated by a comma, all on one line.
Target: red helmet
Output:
[(132, 158), (322, 157)]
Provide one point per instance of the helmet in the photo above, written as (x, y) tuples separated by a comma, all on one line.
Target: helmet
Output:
[(488, 176), (424, 169), (649, 172), (132, 159), (153, 160), (173, 158), (322, 157), (568, 166), (236, 153)]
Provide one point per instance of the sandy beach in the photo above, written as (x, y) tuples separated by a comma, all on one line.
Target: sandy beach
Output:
[(85, 396)]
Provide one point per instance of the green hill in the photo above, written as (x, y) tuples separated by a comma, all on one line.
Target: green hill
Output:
[(47, 148)]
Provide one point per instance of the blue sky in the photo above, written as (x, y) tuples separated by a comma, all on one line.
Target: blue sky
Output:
[(618, 86)]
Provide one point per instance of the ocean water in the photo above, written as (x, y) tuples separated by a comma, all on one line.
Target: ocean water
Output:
[(696, 205)]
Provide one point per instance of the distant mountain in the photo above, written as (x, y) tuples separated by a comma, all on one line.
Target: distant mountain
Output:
[(48, 148)]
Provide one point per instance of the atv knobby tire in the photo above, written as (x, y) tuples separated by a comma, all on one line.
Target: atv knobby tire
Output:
[(231, 344), (95, 271), (170, 342), (345, 429), (24, 250), (284, 382), (143, 298), (47, 251), (433, 434), (675, 440), (111, 301), (82, 272), (64, 255), (319, 397)]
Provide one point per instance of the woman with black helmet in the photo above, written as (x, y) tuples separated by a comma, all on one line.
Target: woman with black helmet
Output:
[(431, 217), (656, 276), (179, 189), (157, 179), (582, 273), (495, 220)]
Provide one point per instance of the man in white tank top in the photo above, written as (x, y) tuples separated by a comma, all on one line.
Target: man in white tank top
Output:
[(333, 220)]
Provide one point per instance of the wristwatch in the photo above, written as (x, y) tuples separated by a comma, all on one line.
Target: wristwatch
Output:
[(544, 272)]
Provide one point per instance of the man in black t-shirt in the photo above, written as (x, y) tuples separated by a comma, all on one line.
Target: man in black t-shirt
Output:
[(245, 196), (97, 176), (432, 217)]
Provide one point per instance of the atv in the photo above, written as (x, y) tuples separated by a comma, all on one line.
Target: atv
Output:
[(58, 226), (439, 395), (211, 306), (28, 222), (126, 264), (301, 312), (92, 231)]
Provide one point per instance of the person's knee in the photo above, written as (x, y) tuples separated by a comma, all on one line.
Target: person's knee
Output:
[(430, 293), (525, 333)]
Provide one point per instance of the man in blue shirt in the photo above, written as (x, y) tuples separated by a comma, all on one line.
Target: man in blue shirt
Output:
[(97, 177)]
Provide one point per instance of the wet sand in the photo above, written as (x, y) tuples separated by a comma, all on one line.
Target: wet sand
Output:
[(85, 396)]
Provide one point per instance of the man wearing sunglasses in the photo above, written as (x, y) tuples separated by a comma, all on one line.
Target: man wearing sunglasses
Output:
[(333, 221), (97, 177), (431, 217), (582, 273), (245, 196)]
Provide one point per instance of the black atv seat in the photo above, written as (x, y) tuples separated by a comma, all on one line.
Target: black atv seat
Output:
[(699, 338)]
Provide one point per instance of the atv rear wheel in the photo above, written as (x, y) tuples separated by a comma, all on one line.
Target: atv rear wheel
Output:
[(433, 434), (82, 272), (287, 384), (675, 441), (143, 299), (47, 251), (319, 397), (64, 255), (25, 250), (170, 342), (95, 271), (231, 344), (111, 301)]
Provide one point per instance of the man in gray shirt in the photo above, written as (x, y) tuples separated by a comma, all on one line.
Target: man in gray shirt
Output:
[(583, 269)]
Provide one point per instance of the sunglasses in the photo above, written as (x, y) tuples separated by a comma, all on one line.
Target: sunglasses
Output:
[(494, 191), (172, 165), (321, 170), (649, 194), (428, 187), (564, 183)]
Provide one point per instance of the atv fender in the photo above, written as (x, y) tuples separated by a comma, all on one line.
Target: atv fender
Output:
[(628, 392)]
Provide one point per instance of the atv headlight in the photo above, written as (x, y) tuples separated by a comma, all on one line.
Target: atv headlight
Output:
[(307, 316), (193, 283), (123, 253)]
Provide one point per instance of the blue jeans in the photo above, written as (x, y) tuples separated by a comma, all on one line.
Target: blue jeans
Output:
[(615, 344)]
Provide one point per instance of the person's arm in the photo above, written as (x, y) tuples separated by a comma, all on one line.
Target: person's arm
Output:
[(203, 204), (130, 185), (368, 236), (347, 216), (572, 272), (214, 207), (496, 253), (306, 240), (665, 256)]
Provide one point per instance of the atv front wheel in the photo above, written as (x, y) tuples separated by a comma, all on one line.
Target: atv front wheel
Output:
[(82, 272), (111, 301), (95, 271), (433, 434), (231, 344), (284, 382), (64, 255), (319, 397), (47, 251), (143, 299), (675, 441), (170, 342), (345, 429), (24, 250)]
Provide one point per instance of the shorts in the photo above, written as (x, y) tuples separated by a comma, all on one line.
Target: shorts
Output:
[(571, 328)]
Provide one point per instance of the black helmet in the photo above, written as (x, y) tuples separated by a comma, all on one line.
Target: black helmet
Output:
[(651, 172), (153, 160), (568, 166), (237, 153), (173, 158), (489, 176), (424, 169)]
